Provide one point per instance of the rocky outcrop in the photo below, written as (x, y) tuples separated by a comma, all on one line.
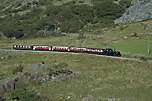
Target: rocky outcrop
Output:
[(17, 4), (9, 85), (39, 73), (140, 10)]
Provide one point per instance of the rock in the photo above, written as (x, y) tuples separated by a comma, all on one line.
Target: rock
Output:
[(2, 58), (11, 85), (61, 74), (2, 99), (2, 90), (125, 37), (133, 35), (141, 10), (88, 98), (7, 86), (68, 97), (38, 68)]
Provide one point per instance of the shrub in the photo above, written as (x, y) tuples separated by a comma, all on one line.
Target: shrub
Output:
[(71, 25), (84, 12), (25, 94), (106, 9), (19, 68), (15, 34)]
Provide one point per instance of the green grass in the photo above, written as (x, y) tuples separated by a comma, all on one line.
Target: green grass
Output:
[(98, 78), (133, 46)]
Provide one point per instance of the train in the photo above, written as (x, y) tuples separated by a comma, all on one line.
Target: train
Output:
[(97, 51)]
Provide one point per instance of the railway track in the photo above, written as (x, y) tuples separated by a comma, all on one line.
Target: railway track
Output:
[(31, 51)]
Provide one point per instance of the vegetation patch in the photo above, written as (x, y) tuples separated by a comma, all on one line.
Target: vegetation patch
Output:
[(25, 94), (32, 17), (97, 78)]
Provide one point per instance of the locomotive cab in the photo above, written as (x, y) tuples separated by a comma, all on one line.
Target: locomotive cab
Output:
[(109, 52)]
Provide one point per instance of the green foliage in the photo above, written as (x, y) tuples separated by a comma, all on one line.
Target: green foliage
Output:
[(106, 11), (84, 12), (125, 3), (72, 25), (70, 17), (24, 94), (2, 76), (81, 35), (19, 68)]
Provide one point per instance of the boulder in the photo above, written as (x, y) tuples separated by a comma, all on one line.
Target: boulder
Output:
[(8, 85), (125, 37), (133, 34)]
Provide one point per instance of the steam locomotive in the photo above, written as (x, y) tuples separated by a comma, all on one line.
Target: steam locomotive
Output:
[(98, 51)]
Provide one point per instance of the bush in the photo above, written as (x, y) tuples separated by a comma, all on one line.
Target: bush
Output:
[(2, 76), (71, 25), (81, 35), (15, 34), (107, 9), (19, 68), (24, 94), (84, 12), (125, 4)]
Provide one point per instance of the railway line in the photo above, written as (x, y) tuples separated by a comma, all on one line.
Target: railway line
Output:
[(54, 52)]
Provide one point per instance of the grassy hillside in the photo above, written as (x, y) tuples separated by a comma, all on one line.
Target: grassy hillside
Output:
[(97, 79), (33, 17)]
